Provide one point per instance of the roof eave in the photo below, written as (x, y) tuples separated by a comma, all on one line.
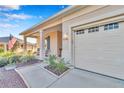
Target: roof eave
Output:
[(50, 18)]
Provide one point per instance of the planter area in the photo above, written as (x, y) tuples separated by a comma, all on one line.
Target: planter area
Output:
[(9, 78), (55, 71), (56, 65), (12, 60)]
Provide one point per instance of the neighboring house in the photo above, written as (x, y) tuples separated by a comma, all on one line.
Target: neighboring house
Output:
[(91, 37), (18, 46)]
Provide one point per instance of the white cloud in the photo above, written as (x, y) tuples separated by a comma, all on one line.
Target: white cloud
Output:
[(17, 16), (6, 25), (9, 7), (41, 17)]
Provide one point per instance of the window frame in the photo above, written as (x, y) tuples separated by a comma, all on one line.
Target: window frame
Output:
[(111, 26)]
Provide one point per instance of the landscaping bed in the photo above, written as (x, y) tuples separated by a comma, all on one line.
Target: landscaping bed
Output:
[(56, 65), (28, 63), (56, 71), (10, 79), (10, 59)]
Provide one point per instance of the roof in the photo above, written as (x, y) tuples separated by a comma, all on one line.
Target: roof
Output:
[(4, 39), (60, 14)]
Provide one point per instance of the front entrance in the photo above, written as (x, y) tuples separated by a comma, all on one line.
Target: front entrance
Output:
[(47, 46), (53, 43)]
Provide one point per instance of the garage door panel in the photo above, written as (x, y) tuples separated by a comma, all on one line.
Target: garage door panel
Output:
[(108, 69), (101, 52)]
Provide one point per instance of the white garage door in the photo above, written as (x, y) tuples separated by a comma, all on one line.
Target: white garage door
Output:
[(101, 52)]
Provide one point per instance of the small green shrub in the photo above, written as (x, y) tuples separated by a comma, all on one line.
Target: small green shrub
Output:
[(3, 61), (56, 62), (61, 64), (14, 59), (23, 59), (7, 54), (26, 58), (52, 59), (1, 50)]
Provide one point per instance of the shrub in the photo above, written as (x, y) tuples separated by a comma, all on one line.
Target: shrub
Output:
[(51, 60), (60, 65), (14, 59), (26, 58), (1, 50), (56, 62), (7, 54), (3, 61)]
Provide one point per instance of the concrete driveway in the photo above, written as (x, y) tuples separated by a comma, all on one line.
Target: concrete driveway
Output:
[(82, 79), (36, 77)]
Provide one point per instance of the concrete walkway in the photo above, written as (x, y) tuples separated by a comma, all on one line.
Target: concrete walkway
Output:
[(36, 77)]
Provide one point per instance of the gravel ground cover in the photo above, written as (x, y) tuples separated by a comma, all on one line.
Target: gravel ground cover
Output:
[(11, 79)]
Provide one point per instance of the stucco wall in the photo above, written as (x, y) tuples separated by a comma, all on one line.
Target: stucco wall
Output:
[(59, 42), (101, 13), (53, 41)]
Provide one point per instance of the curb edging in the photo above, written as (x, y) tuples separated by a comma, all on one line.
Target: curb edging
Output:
[(26, 83)]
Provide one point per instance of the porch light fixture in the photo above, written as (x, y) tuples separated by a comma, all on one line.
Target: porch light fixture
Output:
[(65, 36)]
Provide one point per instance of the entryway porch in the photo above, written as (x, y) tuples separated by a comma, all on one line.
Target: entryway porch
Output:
[(49, 41)]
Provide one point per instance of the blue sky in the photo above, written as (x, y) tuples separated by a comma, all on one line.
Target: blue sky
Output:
[(15, 19)]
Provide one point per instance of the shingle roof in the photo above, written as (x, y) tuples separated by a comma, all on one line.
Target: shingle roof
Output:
[(4, 39)]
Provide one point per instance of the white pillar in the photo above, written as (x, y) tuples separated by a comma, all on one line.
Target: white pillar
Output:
[(41, 46), (5, 47)]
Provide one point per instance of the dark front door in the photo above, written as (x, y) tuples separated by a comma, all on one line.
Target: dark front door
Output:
[(47, 46), (48, 42)]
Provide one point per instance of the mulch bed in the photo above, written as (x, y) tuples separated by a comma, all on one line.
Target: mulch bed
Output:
[(10, 79), (53, 70)]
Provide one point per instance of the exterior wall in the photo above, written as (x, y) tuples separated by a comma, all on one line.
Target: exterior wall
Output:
[(20, 49), (59, 42), (3, 46), (86, 18), (53, 41)]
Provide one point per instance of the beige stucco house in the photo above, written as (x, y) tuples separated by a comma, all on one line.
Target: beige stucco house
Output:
[(89, 37), (18, 46)]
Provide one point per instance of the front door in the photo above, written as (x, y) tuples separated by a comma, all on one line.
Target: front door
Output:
[(47, 45)]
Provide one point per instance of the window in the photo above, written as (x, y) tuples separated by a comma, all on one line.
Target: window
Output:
[(79, 32), (93, 29), (106, 27), (111, 26), (116, 25)]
